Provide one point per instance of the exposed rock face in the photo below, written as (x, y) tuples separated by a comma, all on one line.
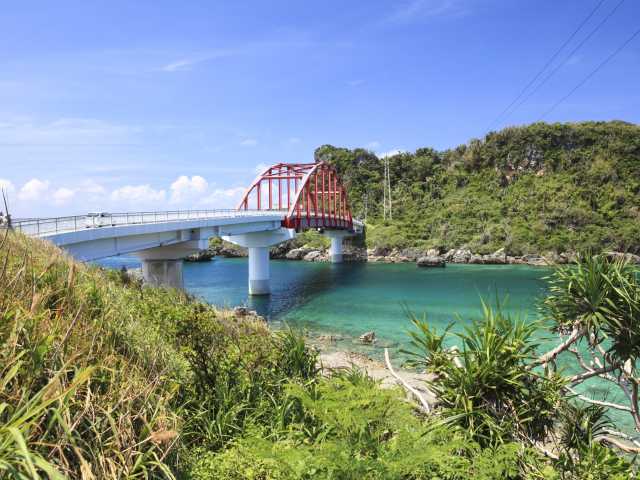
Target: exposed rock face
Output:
[(498, 257), (388, 255), (431, 261), (475, 259), (201, 256), (281, 250), (411, 254), (229, 250), (535, 260), (629, 257), (461, 256), (368, 337), (379, 252), (297, 253), (313, 256)]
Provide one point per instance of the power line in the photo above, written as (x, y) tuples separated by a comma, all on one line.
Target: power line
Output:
[(568, 57), (549, 62), (593, 72)]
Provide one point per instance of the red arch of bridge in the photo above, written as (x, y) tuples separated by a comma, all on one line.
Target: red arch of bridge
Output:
[(312, 195)]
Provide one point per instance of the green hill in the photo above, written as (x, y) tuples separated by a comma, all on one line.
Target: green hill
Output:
[(531, 189)]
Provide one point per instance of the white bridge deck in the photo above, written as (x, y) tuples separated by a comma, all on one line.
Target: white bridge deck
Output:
[(162, 239)]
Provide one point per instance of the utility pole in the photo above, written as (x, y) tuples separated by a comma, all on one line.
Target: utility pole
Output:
[(389, 191), (386, 191), (6, 218), (365, 201)]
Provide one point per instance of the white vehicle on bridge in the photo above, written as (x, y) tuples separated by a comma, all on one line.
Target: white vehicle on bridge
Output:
[(98, 219)]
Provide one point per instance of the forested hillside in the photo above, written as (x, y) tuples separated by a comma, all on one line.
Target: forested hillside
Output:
[(533, 189)]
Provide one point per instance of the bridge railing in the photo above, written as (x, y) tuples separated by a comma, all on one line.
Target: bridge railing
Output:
[(48, 226)]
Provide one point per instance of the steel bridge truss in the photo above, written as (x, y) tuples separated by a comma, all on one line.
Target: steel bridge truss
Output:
[(312, 194)]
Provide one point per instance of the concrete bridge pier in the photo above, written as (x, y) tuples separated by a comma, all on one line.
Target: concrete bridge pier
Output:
[(258, 243), (165, 273), (162, 266), (259, 273), (335, 250)]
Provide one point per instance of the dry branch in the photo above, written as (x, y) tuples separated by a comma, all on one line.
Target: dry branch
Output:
[(581, 377), (551, 355), (599, 402), (405, 384)]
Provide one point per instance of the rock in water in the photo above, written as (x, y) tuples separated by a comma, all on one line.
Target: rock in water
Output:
[(297, 253), (201, 256), (430, 261), (313, 256), (368, 337)]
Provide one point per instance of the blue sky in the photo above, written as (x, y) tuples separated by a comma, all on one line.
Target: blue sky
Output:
[(119, 105)]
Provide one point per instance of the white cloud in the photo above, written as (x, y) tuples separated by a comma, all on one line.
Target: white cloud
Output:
[(92, 187), (223, 197), (412, 10), (293, 140), (34, 189), (390, 153), (6, 185), (249, 142), (185, 188), (63, 196), (39, 197), (143, 194), (187, 63), (372, 145), (64, 132)]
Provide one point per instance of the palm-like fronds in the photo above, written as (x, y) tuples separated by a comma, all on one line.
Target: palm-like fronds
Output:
[(493, 393), (580, 425), (428, 346), (601, 296)]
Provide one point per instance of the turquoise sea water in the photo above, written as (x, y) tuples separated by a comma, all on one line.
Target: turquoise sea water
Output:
[(349, 299)]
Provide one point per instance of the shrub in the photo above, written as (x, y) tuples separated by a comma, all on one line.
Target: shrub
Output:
[(485, 385)]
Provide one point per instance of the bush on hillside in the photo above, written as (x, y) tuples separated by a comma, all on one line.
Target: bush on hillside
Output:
[(531, 189)]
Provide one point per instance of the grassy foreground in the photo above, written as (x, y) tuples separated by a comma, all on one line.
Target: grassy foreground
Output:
[(101, 377)]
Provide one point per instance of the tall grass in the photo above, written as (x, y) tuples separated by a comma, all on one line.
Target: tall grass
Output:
[(109, 379), (74, 401)]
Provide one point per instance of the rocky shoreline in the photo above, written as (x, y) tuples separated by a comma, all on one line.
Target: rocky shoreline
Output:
[(422, 258)]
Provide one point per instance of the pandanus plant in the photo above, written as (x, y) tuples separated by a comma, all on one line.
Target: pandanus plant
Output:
[(504, 388)]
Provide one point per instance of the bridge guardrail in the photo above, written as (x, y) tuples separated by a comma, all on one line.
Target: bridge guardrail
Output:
[(47, 226)]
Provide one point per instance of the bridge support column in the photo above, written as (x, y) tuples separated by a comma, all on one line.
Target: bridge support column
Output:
[(162, 266), (163, 273), (259, 275), (335, 251), (258, 244)]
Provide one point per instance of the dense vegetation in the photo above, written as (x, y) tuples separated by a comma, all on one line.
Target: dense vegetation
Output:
[(101, 377), (532, 189)]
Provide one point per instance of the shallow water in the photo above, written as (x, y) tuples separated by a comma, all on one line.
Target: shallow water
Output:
[(349, 299)]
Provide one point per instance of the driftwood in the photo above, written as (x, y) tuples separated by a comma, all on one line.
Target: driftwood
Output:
[(405, 384)]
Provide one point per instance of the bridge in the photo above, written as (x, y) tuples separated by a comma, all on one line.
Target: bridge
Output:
[(282, 201)]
